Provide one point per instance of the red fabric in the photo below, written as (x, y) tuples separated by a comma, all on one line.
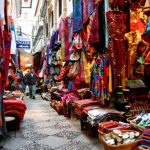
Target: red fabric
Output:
[(7, 46), (136, 23), (16, 107), (94, 32), (118, 26), (85, 102)]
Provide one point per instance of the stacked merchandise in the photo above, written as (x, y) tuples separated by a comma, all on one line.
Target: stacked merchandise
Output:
[(145, 144), (109, 126), (125, 140), (141, 121), (138, 96)]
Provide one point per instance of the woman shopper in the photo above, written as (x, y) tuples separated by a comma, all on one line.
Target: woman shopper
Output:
[(32, 78)]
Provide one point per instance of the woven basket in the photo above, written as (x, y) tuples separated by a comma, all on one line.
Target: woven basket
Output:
[(129, 146), (100, 134), (137, 127), (130, 118)]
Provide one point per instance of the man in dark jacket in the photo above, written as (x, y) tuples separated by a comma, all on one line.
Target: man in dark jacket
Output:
[(32, 78)]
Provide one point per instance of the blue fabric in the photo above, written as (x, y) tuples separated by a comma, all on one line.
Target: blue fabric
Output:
[(52, 41), (90, 7), (77, 15), (148, 28)]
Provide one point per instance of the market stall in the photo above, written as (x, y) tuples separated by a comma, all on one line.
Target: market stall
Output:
[(103, 46)]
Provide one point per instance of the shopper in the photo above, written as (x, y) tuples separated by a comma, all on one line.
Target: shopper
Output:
[(32, 78)]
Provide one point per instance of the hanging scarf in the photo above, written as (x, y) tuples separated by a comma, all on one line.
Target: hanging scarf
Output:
[(77, 15), (94, 23), (87, 9), (66, 32)]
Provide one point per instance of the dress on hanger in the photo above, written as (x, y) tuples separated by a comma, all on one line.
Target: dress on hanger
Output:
[(117, 26)]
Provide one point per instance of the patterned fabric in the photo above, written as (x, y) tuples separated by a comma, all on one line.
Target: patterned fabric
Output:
[(117, 25), (99, 79), (94, 24), (88, 6), (138, 20), (66, 32), (86, 102), (77, 15)]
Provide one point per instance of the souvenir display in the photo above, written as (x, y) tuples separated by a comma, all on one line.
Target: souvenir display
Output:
[(117, 137)]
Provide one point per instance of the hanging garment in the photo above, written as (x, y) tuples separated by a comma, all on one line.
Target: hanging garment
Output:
[(94, 27), (66, 33), (138, 20), (117, 25), (52, 39), (100, 78), (133, 37), (86, 68), (88, 6), (7, 46), (77, 15)]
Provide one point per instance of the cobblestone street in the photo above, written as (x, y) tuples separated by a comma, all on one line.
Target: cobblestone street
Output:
[(43, 129)]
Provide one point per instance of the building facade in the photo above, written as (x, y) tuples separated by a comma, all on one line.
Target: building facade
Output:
[(48, 14)]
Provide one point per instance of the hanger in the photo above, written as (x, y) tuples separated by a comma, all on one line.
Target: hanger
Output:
[(116, 10)]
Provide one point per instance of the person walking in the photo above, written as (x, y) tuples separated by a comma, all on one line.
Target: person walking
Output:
[(32, 78)]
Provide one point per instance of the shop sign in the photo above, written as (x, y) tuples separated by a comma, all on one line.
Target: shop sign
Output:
[(23, 43)]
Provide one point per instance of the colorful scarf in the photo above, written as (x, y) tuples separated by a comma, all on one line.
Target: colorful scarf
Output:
[(94, 23), (99, 78), (66, 33), (87, 9)]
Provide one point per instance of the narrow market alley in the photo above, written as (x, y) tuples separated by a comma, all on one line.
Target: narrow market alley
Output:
[(43, 129), (74, 74)]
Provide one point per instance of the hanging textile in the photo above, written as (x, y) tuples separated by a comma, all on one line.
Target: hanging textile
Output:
[(138, 20), (88, 6), (5, 43), (133, 37), (77, 15), (66, 33), (94, 26), (117, 25), (100, 77), (52, 40)]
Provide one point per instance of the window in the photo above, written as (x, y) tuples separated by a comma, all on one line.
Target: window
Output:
[(52, 22), (47, 30), (60, 7), (51, 19)]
